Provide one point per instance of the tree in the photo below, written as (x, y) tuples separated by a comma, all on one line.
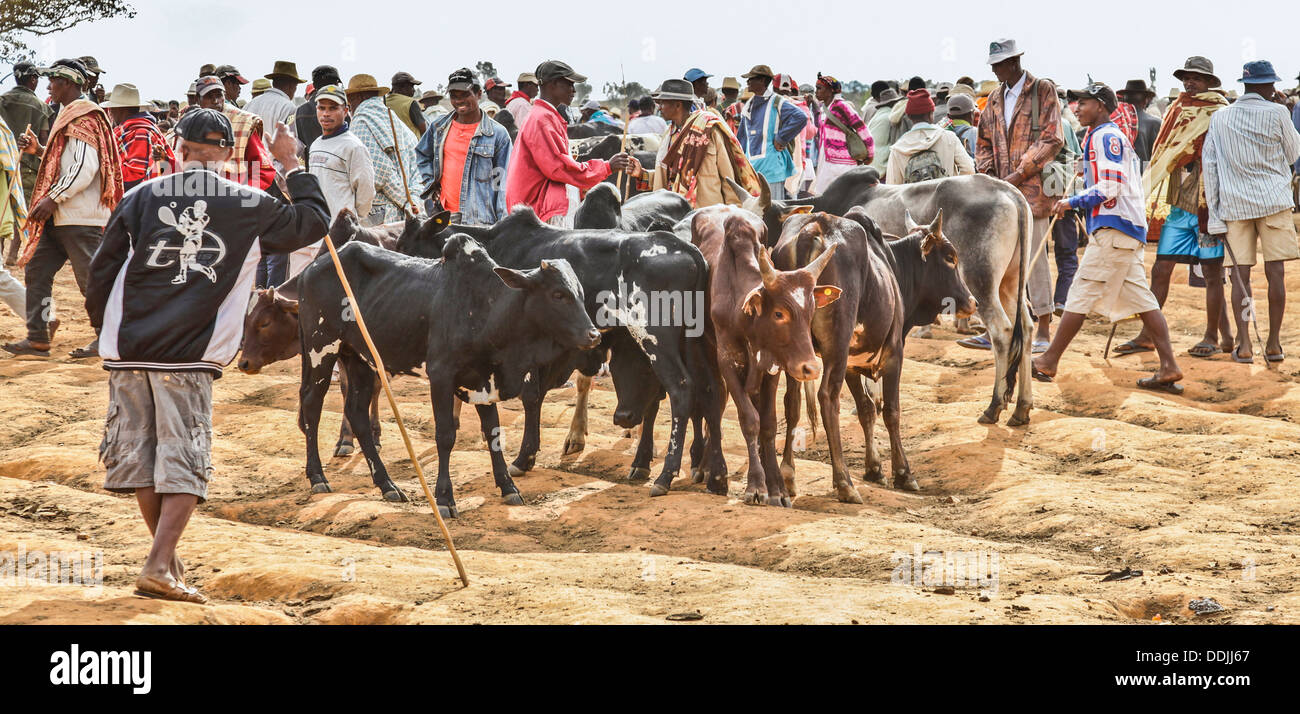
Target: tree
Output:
[(486, 70), (581, 91), (46, 17), (617, 94)]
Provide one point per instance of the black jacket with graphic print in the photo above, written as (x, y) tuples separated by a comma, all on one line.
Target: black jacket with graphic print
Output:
[(171, 280)]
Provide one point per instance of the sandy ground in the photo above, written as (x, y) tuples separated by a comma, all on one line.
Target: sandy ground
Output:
[(1195, 491)]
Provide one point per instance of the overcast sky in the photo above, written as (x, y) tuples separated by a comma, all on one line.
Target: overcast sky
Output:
[(161, 49)]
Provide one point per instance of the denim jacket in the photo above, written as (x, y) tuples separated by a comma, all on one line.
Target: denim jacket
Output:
[(483, 183)]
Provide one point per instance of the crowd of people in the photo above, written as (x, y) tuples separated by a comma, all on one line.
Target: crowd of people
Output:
[(1212, 177)]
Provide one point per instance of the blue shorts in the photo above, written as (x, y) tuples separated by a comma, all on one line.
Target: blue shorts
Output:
[(1181, 240)]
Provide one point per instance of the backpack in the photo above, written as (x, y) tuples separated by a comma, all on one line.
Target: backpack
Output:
[(923, 166)]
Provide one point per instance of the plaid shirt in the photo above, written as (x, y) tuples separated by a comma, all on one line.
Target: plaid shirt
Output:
[(136, 138), (370, 124), (1000, 152)]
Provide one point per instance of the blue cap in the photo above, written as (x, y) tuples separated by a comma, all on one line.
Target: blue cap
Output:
[(695, 73), (1258, 72)]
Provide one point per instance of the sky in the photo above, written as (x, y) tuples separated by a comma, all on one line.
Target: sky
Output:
[(161, 49)]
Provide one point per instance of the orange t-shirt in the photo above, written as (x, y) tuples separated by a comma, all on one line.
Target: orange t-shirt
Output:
[(454, 149)]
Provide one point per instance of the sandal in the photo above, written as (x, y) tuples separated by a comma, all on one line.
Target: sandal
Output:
[(1131, 347), (979, 342), (1042, 376), (1275, 357), (1236, 356), (1204, 350), (90, 350), (1156, 385), (25, 348), (147, 586)]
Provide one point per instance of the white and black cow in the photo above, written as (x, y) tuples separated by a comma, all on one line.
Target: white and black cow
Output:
[(479, 330)]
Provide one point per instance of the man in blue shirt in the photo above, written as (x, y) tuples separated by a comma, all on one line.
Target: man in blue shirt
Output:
[(769, 129)]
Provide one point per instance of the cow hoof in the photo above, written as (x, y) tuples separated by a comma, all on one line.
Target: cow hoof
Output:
[(514, 471), (876, 476), (343, 449), (638, 474), (513, 499), (574, 445), (395, 495), (321, 487), (782, 502), (1018, 419), (787, 475), (754, 498), (847, 494), (448, 511), (906, 483), (657, 490), (697, 475), (717, 486)]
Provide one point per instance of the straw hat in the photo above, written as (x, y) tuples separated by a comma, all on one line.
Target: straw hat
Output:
[(124, 96), (365, 83)]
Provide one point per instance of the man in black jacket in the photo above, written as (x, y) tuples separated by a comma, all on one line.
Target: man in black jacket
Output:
[(167, 292)]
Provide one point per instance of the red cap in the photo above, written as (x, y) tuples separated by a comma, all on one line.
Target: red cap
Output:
[(919, 102), (493, 83)]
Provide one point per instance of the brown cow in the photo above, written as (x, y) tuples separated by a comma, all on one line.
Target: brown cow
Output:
[(760, 321), (887, 287)]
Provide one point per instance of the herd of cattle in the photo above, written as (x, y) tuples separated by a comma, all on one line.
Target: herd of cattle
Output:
[(823, 288)]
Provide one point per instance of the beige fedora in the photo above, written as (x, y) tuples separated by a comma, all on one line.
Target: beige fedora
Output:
[(285, 69), (365, 83), (124, 96)]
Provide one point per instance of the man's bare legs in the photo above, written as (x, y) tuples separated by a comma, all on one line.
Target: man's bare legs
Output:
[(1153, 323), (1243, 308), (166, 515), (1218, 329)]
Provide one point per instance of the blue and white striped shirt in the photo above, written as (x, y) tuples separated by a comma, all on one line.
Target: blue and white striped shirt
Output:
[(1247, 161)]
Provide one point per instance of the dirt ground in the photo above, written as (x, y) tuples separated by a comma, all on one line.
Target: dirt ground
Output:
[(1194, 491)]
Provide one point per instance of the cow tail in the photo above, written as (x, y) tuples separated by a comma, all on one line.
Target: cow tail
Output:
[(1019, 328)]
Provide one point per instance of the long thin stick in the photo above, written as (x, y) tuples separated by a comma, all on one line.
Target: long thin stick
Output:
[(624, 176), (383, 379), (1241, 283), (401, 168)]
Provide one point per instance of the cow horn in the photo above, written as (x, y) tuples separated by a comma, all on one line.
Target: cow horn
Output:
[(936, 226), (741, 194), (766, 270), (911, 224), (819, 263)]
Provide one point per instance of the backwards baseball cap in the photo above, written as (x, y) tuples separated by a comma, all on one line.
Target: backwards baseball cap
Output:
[(555, 69), (69, 69), (204, 85), (228, 71), (198, 123), (1098, 91), (334, 93), (462, 79)]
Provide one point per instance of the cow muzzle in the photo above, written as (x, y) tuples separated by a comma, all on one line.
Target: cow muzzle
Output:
[(593, 339), (972, 305), (247, 367), (807, 371)]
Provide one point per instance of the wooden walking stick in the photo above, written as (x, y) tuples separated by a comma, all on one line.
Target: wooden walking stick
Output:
[(1241, 283), (401, 168), (625, 177), (392, 403)]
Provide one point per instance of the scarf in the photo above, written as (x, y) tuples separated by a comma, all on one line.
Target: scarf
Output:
[(1182, 134), (690, 147), (85, 121), (519, 95), (1125, 117), (9, 165)]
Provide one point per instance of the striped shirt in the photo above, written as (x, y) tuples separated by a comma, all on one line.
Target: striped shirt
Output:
[(1247, 161)]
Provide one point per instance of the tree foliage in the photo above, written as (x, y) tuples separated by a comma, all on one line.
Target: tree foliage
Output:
[(617, 94), (46, 17)]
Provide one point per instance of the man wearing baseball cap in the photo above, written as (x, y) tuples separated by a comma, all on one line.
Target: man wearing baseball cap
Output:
[(1247, 157), (401, 99), (251, 164), (342, 166), (21, 108), (459, 152), (231, 82), (304, 117), (78, 185), (1111, 280), (542, 174), (166, 293)]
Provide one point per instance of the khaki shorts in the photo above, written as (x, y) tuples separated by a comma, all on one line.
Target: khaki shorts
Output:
[(1274, 236), (1112, 280), (158, 432)]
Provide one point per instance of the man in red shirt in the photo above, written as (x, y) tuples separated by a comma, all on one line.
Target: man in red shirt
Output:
[(251, 162), (144, 150), (542, 173)]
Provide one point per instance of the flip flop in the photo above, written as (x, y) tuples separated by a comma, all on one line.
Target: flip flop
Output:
[(1042, 376), (146, 586), (1244, 360), (83, 353), (1275, 358), (25, 348), (1155, 385), (979, 342), (1204, 350), (1040, 346), (1130, 348)]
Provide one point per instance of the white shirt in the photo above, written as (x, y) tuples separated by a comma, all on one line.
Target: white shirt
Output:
[(519, 108), (76, 190), (272, 106), (342, 166), (651, 124), (1009, 97)]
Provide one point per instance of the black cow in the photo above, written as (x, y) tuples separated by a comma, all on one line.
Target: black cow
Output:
[(478, 329), (586, 130), (653, 211), (886, 288), (615, 267)]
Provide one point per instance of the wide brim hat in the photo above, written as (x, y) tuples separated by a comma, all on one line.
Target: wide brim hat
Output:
[(674, 90), (124, 96), (1136, 86), (1259, 72), (1003, 49), (888, 97), (730, 83), (285, 69), (1198, 65), (365, 83), (759, 70)]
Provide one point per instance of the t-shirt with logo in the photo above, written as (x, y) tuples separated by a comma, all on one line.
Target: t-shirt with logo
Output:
[(454, 150)]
